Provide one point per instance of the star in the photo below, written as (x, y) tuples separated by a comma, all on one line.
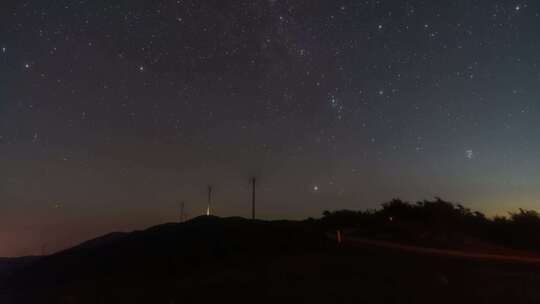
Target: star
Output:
[(315, 188), (35, 138), (333, 101)]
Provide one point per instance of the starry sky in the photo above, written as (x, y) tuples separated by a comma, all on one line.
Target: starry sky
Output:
[(113, 112)]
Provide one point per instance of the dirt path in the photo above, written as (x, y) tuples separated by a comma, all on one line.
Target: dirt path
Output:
[(360, 242)]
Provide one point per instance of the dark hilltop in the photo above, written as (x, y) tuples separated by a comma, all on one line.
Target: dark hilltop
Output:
[(210, 259)]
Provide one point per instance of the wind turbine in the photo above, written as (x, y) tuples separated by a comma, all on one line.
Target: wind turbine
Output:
[(253, 184), (208, 208), (182, 206)]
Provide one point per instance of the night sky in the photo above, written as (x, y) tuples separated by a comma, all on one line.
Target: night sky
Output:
[(112, 112)]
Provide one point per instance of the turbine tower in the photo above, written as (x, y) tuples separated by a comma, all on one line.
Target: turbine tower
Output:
[(253, 183), (208, 208), (182, 205)]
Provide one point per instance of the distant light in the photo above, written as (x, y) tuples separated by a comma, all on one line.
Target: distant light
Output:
[(316, 188), (26, 65), (141, 68)]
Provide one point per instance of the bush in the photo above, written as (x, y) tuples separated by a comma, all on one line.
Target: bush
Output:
[(442, 221)]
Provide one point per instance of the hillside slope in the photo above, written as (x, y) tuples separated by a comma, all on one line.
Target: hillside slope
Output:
[(236, 260), (152, 259)]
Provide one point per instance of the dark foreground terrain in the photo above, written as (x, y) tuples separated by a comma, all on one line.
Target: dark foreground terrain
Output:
[(235, 260)]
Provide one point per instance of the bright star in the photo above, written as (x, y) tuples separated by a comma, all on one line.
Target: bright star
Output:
[(333, 101)]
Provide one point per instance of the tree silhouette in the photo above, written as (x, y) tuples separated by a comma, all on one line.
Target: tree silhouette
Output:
[(438, 222)]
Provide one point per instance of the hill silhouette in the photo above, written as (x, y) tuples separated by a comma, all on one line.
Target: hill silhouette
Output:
[(160, 256), (11, 265), (211, 259)]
